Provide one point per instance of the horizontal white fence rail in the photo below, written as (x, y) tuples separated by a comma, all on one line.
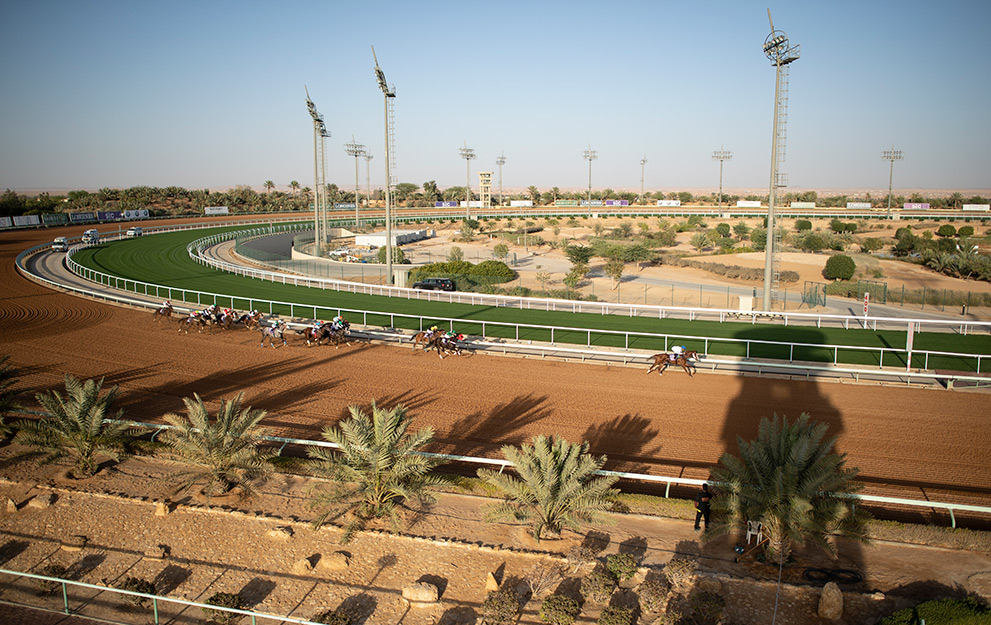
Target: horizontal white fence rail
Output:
[(642, 477), (155, 599), (195, 250), (313, 311)]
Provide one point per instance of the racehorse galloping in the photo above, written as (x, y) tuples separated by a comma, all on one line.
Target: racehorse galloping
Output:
[(427, 338), (684, 360), (274, 332), (192, 320), (165, 312), (446, 344), (250, 320)]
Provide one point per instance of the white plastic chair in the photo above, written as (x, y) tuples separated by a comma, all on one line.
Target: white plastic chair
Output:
[(755, 530)]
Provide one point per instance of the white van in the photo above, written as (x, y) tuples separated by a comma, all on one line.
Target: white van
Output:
[(134, 232), (60, 244), (91, 236)]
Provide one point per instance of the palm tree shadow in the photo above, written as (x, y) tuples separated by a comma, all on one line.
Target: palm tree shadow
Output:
[(625, 440), (503, 425)]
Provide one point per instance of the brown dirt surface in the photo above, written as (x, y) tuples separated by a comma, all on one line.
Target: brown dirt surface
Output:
[(912, 442)]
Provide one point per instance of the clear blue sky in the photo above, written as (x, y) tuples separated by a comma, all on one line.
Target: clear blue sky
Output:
[(210, 94)]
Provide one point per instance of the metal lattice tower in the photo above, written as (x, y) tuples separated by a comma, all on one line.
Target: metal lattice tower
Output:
[(778, 50), (721, 155), (590, 155), (891, 155), (389, 91), (368, 178), (355, 149), (500, 162), (485, 189), (320, 135), (467, 154)]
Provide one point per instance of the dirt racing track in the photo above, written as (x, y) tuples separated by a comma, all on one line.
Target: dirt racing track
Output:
[(907, 442)]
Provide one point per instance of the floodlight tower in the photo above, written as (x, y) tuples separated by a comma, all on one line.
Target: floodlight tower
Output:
[(355, 149), (467, 154), (721, 155), (319, 135), (891, 155), (389, 91), (590, 155), (368, 178), (643, 165), (781, 54), (500, 162)]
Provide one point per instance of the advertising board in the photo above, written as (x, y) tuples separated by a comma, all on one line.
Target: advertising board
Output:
[(521, 203), (141, 213), (445, 204), (976, 207), (343, 205), (54, 219), (471, 204), (916, 206), (669, 202), (592, 203), (748, 203), (803, 204), (866, 205), (78, 217), (565, 202), (27, 220), (109, 215), (6, 222), (617, 202), (215, 210)]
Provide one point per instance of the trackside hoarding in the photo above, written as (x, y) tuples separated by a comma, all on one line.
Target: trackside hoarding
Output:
[(592, 203), (110, 215), (669, 202), (521, 203), (445, 204), (79, 217), (565, 202), (976, 207), (216, 210), (141, 213), (617, 202), (748, 203), (916, 206), (27, 220), (862, 205), (6, 222), (803, 204), (343, 205), (54, 219)]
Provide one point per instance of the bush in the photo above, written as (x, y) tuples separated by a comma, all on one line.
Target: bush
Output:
[(51, 570), (136, 584), (598, 586), (559, 610), (654, 593), (942, 612), (224, 600), (501, 606), (803, 224), (615, 616), (871, 245), (966, 231), (680, 573), (333, 617), (839, 267), (946, 230), (622, 565), (903, 232), (813, 242), (398, 256)]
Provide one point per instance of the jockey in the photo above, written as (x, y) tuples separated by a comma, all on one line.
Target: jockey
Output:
[(166, 304), (450, 337), (315, 330), (339, 323), (677, 351)]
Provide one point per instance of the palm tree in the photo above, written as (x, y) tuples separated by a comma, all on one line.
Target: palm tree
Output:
[(534, 195), (556, 487), (269, 185), (294, 185), (789, 480), (8, 396), (376, 469), (80, 425), (223, 453)]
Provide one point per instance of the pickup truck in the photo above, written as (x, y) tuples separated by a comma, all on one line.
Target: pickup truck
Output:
[(435, 284)]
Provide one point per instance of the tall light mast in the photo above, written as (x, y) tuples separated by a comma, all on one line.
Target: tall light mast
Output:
[(891, 155), (320, 135), (590, 155), (389, 92), (721, 155), (500, 162), (643, 167), (355, 149), (467, 154)]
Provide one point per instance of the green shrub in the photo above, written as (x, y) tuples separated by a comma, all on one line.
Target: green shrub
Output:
[(224, 600), (598, 586), (839, 267), (967, 611), (559, 610), (946, 230), (622, 565), (803, 224), (136, 584), (903, 232), (966, 231), (615, 616), (501, 606)]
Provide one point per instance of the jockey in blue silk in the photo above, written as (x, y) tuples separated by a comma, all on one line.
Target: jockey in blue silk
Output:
[(677, 351)]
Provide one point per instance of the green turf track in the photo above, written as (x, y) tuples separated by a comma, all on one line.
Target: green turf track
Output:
[(162, 259)]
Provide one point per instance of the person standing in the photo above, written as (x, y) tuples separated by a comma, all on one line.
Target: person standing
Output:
[(702, 506)]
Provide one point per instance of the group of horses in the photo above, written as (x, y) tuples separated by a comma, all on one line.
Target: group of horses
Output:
[(272, 334), (438, 341)]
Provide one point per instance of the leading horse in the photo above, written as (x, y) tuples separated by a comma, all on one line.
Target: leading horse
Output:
[(685, 360)]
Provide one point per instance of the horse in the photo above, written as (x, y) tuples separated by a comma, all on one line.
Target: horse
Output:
[(272, 333), (426, 337), (163, 312), (684, 360), (250, 320), (335, 335), (187, 322), (445, 345)]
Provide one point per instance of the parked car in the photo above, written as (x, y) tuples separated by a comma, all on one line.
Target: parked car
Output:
[(435, 284), (60, 244), (134, 232)]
